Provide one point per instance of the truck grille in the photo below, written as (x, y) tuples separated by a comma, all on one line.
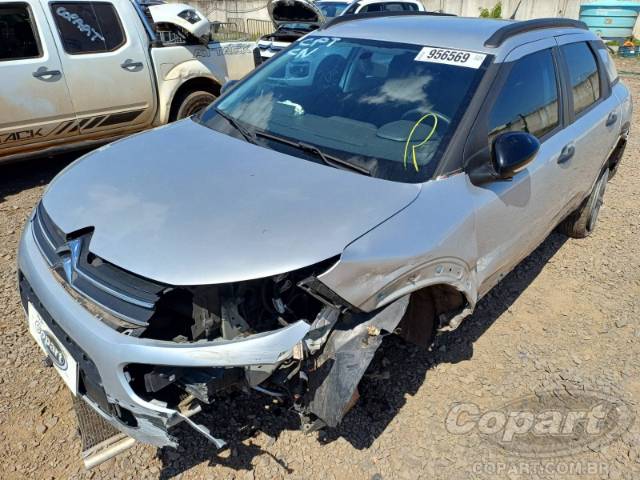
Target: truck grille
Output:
[(117, 292)]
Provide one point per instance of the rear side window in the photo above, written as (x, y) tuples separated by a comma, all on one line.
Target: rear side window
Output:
[(88, 27), (583, 75), (18, 37), (529, 98)]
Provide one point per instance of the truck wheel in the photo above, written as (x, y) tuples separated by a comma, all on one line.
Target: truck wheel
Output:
[(581, 223), (189, 103)]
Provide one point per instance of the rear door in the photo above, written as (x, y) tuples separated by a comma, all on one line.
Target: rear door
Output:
[(593, 116), (105, 58), (35, 107), (514, 217)]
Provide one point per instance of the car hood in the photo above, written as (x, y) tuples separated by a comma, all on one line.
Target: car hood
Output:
[(294, 11), (186, 205)]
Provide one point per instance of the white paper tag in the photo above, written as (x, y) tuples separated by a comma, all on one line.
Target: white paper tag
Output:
[(450, 56)]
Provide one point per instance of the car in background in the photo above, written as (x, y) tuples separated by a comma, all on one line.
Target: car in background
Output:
[(366, 6), (80, 73), (293, 19)]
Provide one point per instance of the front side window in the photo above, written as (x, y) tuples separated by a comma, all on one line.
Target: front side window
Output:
[(583, 75), (529, 98), (18, 37), (88, 27), (379, 105)]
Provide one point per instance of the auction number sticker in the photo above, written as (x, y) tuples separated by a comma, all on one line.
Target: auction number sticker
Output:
[(449, 56)]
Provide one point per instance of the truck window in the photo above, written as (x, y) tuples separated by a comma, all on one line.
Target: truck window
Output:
[(88, 27), (18, 37), (529, 99), (583, 75)]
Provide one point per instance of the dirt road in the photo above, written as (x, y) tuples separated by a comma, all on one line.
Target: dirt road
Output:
[(566, 317)]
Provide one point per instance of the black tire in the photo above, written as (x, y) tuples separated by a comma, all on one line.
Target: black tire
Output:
[(189, 103), (582, 222)]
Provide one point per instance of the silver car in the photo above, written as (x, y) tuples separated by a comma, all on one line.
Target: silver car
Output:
[(380, 176)]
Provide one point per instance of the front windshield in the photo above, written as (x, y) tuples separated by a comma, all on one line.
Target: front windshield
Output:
[(372, 104), (331, 9)]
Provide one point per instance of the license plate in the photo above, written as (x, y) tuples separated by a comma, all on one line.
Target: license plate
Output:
[(62, 360)]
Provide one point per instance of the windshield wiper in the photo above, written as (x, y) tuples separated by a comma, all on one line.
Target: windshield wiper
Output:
[(326, 158), (248, 135)]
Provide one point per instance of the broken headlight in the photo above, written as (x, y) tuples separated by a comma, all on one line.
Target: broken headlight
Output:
[(240, 309)]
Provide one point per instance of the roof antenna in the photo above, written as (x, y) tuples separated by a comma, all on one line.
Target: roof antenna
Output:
[(513, 15)]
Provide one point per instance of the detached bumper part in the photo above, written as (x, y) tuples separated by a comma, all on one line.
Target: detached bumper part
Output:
[(345, 358)]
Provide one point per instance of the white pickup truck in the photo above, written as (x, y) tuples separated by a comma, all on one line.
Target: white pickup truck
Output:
[(76, 73)]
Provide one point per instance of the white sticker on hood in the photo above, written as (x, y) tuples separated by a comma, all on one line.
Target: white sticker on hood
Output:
[(449, 56)]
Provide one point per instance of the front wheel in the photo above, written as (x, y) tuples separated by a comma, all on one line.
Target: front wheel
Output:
[(582, 222), (190, 103)]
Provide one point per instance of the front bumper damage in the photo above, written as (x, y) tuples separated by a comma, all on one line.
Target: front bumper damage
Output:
[(145, 386)]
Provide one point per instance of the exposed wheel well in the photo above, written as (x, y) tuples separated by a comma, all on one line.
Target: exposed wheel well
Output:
[(193, 85), (430, 309)]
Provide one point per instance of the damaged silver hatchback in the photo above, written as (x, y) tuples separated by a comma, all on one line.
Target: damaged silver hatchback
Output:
[(378, 177)]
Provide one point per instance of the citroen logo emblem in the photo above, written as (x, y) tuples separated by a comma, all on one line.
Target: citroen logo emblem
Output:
[(69, 256)]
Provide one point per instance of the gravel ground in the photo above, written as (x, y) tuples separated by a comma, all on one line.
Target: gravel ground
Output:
[(566, 317)]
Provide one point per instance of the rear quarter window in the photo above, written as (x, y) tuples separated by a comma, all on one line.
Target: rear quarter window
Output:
[(88, 27), (609, 64)]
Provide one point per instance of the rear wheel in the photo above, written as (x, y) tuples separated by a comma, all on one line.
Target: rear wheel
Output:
[(189, 103), (582, 222)]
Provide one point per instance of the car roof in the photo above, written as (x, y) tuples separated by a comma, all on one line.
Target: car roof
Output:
[(463, 33)]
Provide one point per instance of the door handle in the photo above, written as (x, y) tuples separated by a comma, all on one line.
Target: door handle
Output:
[(567, 153), (42, 72), (611, 119), (130, 65)]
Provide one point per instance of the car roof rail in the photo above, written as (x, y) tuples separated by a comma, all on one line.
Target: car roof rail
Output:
[(363, 16), (516, 28)]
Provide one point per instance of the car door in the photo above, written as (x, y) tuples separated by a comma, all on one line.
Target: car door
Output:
[(514, 216), (35, 106), (593, 117), (105, 58)]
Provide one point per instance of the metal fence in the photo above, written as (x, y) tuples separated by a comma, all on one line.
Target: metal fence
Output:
[(240, 29), (256, 28), (227, 31)]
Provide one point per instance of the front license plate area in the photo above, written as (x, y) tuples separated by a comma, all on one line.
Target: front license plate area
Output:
[(53, 348)]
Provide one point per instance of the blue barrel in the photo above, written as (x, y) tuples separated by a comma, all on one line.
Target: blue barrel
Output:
[(611, 19)]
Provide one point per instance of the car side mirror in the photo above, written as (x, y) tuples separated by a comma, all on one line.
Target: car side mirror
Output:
[(512, 152), (228, 85)]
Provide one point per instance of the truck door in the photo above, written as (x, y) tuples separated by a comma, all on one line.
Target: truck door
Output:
[(35, 107), (104, 53), (513, 217)]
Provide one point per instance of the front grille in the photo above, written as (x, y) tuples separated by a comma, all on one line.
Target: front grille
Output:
[(119, 293)]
